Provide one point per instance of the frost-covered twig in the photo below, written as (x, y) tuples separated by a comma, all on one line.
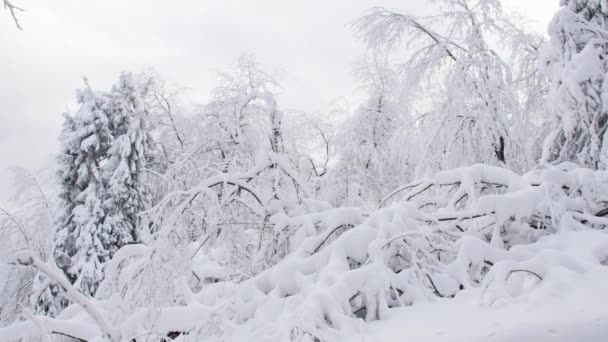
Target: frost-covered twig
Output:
[(17, 223)]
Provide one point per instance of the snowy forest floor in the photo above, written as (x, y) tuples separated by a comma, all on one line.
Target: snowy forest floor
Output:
[(579, 316), (572, 307)]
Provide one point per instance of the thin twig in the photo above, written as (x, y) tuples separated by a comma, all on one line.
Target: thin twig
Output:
[(525, 271), (12, 8)]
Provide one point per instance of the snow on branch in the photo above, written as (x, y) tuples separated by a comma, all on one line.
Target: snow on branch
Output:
[(380, 27), (481, 228), (447, 234), (27, 258)]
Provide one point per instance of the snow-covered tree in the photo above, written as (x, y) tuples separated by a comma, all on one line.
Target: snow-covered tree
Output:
[(238, 117), (124, 170), (531, 88), (84, 239), (575, 61), (238, 133), (26, 222), (367, 163), (310, 144), (460, 90), (101, 172)]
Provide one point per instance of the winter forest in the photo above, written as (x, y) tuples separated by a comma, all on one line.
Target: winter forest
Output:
[(465, 198)]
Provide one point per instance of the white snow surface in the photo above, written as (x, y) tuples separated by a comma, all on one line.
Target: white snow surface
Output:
[(570, 305)]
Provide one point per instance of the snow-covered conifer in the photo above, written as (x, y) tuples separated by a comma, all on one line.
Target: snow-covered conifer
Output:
[(100, 168), (575, 61), (83, 238), (124, 170)]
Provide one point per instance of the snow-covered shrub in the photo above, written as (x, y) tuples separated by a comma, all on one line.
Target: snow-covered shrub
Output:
[(479, 227)]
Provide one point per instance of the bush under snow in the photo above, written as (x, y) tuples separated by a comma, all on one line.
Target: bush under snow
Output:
[(479, 228)]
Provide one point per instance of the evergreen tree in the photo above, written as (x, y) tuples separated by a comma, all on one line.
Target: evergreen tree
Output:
[(67, 167), (103, 149), (83, 236), (575, 61), (46, 298), (124, 170)]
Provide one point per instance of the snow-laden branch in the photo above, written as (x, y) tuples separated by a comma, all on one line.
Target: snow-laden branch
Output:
[(27, 258), (481, 228), (483, 174), (457, 130)]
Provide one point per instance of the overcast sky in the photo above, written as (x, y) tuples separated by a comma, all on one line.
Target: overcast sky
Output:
[(186, 41)]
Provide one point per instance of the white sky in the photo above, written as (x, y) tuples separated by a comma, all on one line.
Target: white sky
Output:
[(186, 41)]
